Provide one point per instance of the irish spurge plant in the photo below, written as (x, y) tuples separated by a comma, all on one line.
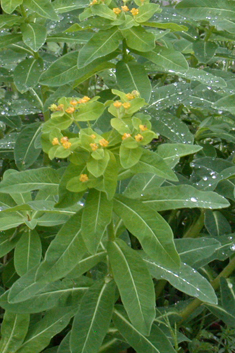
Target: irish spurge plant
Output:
[(117, 165)]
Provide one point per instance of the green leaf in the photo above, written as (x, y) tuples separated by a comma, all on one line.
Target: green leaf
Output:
[(129, 156), (43, 8), (167, 58), (168, 125), (103, 11), (7, 21), (227, 295), (140, 183), (132, 76), (101, 44), (13, 331), (25, 152), (28, 252), (151, 162), (193, 251), (95, 218), (89, 111), (9, 222), (168, 25), (34, 35), (222, 314), (9, 39), (171, 152), (136, 287), (40, 334), (9, 6), (86, 264), (27, 73), (62, 6), (96, 308), (181, 196), (204, 51), (139, 39), (57, 294), (110, 177), (226, 103), (199, 10), (146, 11), (153, 232), (8, 240), (156, 342), (216, 224), (186, 279), (34, 179), (64, 252), (81, 37)]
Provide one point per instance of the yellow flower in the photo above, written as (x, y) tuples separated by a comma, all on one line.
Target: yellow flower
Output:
[(136, 93), (143, 127), (134, 11), (53, 107), (55, 141), (116, 10), (93, 136), (67, 144), (73, 102), (93, 2), (138, 138), (85, 99), (125, 8), (103, 143), (126, 105), (83, 178), (117, 104), (64, 139), (125, 136), (70, 110), (94, 146), (130, 96), (60, 107)]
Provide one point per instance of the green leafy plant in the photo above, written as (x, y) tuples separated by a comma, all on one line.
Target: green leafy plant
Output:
[(117, 164)]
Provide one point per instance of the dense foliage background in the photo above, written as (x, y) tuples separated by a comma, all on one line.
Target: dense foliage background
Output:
[(88, 260)]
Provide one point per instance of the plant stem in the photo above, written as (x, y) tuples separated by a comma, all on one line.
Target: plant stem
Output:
[(124, 52), (215, 284), (159, 287), (196, 227)]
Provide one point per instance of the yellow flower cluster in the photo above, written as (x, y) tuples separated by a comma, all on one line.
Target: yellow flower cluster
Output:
[(118, 104), (125, 8), (64, 141), (83, 178), (55, 108)]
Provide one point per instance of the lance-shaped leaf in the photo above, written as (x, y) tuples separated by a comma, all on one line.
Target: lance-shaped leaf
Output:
[(146, 11), (153, 232), (9, 39), (64, 251), (25, 152), (9, 222), (86, 264), (151, 162), (140, 183), (186, 279), (101, 44), (181, 196), (171, 152), (95, 218), (134, 283), (58, 294), (199, 9), (34, 179), (43, 8), (139, 39), (9, 6), (192, 251), (227, 295), (167, 58), (93, 318), (216, 224), (132, 76), (62, 6), (34, 35), (28, 252), (40, 334), (13, 331), (222, 314), (27, 73), (204, 51), (8, 240), (157, 342)]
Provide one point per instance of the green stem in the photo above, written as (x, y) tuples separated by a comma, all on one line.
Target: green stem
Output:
[(196, 227), (124, 50), (23, 12), (215, 284), (159, 287)]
